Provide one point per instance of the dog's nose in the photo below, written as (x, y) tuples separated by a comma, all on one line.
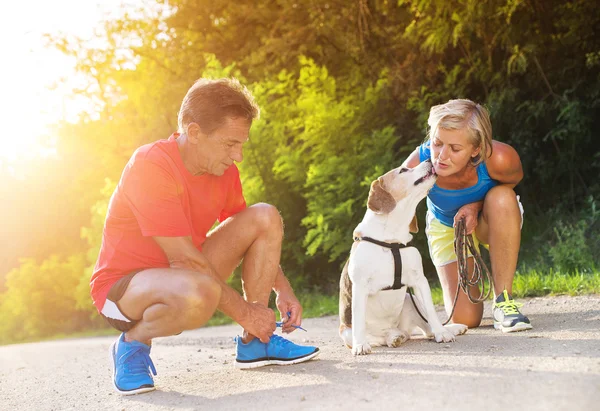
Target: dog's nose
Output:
[(428, 160)]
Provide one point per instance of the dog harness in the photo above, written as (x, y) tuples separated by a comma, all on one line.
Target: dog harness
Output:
[(395, 247)]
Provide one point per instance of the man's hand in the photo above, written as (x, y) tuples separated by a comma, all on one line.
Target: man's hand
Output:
[(259, 321), (470, 212), (287, 302)]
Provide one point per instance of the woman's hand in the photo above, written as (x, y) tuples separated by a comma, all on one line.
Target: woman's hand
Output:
[(470, 212), (286, 303)]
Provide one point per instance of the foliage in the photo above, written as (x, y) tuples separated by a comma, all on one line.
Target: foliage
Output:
[(40, 299)]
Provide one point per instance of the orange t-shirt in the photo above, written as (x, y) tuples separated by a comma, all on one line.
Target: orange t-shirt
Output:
[(158, 196)]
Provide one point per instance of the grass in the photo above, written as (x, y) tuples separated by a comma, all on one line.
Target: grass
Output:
[(534, 283)]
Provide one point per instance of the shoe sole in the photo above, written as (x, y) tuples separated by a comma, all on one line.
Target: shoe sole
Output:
[(257, 364), (515, 328), (111, 354)]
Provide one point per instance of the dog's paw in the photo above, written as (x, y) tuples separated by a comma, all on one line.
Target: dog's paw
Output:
[(361, 349), (443, 335), (396, 339), (456, 329)]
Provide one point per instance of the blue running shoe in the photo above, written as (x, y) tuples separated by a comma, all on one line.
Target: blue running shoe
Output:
[(131, 367), (278, 351)]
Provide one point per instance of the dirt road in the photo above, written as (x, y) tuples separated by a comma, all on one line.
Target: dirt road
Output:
[(555, 366)]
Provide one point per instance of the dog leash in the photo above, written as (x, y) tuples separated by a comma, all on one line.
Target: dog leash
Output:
[(463, 244)]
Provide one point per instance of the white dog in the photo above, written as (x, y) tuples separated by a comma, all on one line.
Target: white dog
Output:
[(371, 313)]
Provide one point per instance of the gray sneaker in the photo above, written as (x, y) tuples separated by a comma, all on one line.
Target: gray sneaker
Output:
[(507, 316)]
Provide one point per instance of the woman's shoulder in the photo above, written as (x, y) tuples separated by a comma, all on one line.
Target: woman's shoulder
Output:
[(502, 154), (503, 160)]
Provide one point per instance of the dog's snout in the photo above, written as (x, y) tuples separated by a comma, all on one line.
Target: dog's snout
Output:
[(427, 161)]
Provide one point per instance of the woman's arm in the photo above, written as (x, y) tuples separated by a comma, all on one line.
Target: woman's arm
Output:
[(505, 165), (412, 160)]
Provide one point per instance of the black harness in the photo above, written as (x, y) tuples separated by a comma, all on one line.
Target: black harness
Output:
[(395, 247)]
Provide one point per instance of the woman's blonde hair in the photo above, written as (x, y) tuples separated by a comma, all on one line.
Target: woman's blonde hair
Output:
[(464, 114)]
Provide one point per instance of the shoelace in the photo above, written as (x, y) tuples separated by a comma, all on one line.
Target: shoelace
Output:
[(276, 344), (279, 341), (509, 307), (280, 323), (139, 361)]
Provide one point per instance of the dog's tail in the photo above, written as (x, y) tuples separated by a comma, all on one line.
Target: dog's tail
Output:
[(346, 306)]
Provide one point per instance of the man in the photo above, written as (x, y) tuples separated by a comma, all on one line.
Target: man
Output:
[(160, 272)]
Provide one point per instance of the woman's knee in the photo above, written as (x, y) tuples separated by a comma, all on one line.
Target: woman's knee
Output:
[(501, 198), (267, 218)]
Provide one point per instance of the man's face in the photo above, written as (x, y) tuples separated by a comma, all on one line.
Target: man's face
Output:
[(222, 147)]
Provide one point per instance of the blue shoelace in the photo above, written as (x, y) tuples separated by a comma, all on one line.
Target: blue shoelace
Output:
[(280, 323), (278, 341), (137, 361)]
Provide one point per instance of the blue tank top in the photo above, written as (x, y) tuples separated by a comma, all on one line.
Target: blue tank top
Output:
[(443, 203)]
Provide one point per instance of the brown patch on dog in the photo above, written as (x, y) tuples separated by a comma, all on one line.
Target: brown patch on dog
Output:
[(413, 227), (345, 298), (380, 200)]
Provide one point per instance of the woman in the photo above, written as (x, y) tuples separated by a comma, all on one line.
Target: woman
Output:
[(476, 177)]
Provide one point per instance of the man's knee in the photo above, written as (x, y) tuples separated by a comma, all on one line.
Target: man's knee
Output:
[(267, 218), (196, 299)]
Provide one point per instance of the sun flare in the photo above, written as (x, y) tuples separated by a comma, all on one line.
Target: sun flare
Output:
[(37, 80)]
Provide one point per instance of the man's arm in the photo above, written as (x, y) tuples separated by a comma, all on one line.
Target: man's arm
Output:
[(182, 253)]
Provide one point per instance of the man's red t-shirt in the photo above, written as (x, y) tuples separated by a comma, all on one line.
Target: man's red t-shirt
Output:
[(158, 196)]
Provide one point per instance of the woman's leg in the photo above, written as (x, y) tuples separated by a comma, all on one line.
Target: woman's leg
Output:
[(465, 311), (500, 227)]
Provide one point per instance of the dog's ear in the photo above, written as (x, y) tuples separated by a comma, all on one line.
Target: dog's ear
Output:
[(380, 201), (413, 227)]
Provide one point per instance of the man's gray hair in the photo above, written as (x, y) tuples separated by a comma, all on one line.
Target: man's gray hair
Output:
[(209, 103)]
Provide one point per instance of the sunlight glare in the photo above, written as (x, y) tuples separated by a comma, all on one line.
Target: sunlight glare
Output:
[(36, 82)]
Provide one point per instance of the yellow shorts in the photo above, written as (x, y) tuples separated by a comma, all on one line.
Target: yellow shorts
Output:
[(441, 240)]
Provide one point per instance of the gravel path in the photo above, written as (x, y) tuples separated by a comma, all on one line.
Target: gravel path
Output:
[(555, 366)]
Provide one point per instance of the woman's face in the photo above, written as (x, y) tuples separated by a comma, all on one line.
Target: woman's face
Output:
[(451, 151)]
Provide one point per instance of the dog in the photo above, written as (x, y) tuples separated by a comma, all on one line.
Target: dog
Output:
[(372, 314)]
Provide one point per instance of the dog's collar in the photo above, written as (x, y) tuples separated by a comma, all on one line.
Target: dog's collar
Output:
[(381, 243)]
